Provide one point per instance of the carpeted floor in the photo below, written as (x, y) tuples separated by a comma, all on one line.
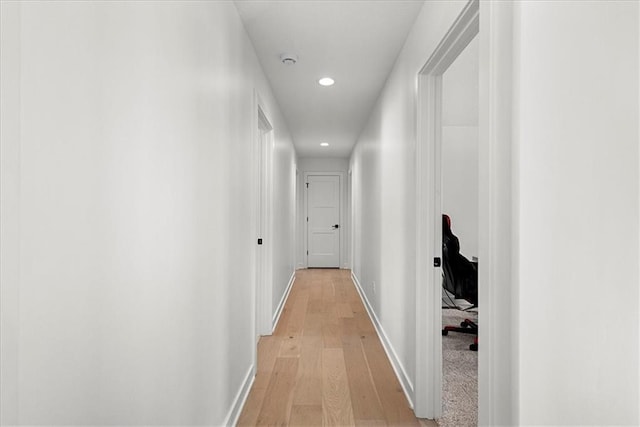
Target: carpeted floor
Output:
[(459, 374)]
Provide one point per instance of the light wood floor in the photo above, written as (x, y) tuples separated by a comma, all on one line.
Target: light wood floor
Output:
[(325, 365)]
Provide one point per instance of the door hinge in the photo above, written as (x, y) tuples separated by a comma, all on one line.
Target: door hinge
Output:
[(307, 185), (307, 252), (259, 241), (437, 262), (307, 219)]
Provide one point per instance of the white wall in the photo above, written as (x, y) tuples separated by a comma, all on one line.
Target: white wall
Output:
[(127, 243), (460, 161), (384, 190), (9, 210), (576, 187), (322, 164), (577, 133), (285, 188)]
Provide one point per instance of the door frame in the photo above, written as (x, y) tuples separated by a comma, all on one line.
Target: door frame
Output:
[(349, 215), (428, 386), (341, 259), (262, 149), (498, 393)]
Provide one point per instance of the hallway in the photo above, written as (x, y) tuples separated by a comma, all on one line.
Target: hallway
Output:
[(324, 364), (154, 167)]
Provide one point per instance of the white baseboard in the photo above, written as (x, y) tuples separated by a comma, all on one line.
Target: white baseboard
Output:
[(398, 368), (241, 397), (276, 315)]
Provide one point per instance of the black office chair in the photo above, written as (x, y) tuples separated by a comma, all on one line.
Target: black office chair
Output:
[(460, 278)]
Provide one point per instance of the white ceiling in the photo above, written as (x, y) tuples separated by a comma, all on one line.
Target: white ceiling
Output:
[(355, 42)]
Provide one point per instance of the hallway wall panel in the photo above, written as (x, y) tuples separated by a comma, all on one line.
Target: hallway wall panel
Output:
[(132, 301), (284, 214), (383, 164), (577, 135)]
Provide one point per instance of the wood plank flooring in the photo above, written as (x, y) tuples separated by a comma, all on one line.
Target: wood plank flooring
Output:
[(324, 365)]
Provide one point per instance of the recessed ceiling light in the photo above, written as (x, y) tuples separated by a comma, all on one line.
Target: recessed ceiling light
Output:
[(324, 144), (326, 81)]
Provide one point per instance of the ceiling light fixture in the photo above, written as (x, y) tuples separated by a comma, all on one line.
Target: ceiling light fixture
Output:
[(326, 81), (324, 144)]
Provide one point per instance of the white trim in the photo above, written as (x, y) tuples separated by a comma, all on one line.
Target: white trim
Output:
[(241, 398), (302, 227), (344, 230), (348, 209), (398, 368), (276, 315), (428, 391), (498, 387), (268, 225), (295, 225), (255, 260)]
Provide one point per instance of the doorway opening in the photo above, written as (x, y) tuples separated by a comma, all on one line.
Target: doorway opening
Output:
[(429, 366), (460, 190), (263, 148)]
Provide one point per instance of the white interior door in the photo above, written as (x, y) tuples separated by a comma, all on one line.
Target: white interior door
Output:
[(323, 221)]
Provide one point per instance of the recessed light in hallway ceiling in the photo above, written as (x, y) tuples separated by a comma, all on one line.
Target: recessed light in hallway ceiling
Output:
[(324, 144), (326, 81)]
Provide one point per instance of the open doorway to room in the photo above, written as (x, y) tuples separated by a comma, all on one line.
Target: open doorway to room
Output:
[(447, 183), (459, 187)]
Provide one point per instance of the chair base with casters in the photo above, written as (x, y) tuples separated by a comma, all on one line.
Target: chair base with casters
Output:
[(460, 279), (466, 327)]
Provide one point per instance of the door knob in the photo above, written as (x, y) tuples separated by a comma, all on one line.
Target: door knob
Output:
[(335, 226)]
